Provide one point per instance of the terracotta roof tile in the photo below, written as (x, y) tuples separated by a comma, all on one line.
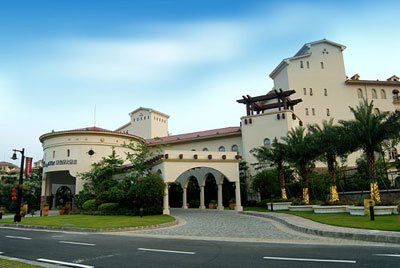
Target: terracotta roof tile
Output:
[(194, 135)]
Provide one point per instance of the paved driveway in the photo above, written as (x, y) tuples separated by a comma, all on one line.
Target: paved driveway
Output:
[(229, 225)]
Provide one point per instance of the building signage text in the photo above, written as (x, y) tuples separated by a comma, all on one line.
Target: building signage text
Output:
[(60, 162)]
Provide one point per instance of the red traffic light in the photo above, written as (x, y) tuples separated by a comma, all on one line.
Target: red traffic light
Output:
[(14, 194), (14, 189), (14, 198)]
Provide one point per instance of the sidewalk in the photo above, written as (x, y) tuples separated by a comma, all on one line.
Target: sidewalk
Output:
[(311, 227)]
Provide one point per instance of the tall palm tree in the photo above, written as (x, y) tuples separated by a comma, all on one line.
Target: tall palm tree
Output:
[(301, 153), (331, 142), (368, 130), (275, 155)]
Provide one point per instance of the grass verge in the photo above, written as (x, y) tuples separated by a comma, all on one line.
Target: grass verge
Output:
[(15, 264), (385, 223), (90, 221)]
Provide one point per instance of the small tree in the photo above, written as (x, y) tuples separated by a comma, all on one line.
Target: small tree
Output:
[(276, 155), (302, 154), (332, 142), (367, 131)]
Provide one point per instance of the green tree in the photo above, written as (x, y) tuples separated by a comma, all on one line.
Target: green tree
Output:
[(266, 184), (332, 142), (301, 153), (367, 131), (276, 155)]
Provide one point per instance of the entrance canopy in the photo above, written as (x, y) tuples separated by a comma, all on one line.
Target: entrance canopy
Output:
[(174, 165)]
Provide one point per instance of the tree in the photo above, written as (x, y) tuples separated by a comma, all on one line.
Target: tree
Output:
[(301, 152), (331, 141), (277, 155), (367, 131)]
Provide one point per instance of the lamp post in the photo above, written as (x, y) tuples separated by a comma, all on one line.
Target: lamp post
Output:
[(17, 217)]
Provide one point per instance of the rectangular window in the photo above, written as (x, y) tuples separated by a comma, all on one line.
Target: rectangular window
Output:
[(306, 111), (301, 64), (305, 91), (308, 65), (322, 65), (327, 112), (325, 92), (54, 154), (68, 153), (311, 92), (313, 111)]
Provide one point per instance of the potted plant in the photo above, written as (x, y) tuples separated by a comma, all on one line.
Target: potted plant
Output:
[(212, 204), (232, 204), (45, 209), (69, 206), (3, 210), (62, 210), (22, 212)]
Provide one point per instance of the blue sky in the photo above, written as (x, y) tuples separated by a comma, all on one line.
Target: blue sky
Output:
[(188, 59)]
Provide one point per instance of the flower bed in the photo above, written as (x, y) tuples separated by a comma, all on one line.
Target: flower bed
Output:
[(330, 209), (279, 205)]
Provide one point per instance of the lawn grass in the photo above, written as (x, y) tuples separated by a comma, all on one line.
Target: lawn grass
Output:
[(90, 221), (386, 223), (15, 264)]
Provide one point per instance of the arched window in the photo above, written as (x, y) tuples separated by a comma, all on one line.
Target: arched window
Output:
[(221, 149), (305, 91), (374, 95), (267, 143), (360, 93), (392, 153), (54, 154), (68, 153), (383, 94), (205, 150), (235, 148), (376, 111), (306, 111), (325, 92), (328, 112)]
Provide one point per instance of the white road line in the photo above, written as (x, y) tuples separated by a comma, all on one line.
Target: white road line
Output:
[(314, 260), (388, 255), (167, 251), (19, 237), (1, 252), (76, 243), (71, 264)]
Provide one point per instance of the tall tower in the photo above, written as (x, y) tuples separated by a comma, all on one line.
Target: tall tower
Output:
[(146, 123)]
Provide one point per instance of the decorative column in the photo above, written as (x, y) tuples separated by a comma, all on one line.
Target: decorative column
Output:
[(220, 205), (237, 192), (202, 206), (184, 199), (166, 201)]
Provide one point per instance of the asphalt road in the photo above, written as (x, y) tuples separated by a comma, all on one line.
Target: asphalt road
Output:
[(108, 250)]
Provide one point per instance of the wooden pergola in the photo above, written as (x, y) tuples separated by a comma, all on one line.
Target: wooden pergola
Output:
[(258, 104)]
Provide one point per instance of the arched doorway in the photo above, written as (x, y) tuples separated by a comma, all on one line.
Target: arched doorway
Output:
[(210, 190), (63, 195), (193, 192), (175, 195)]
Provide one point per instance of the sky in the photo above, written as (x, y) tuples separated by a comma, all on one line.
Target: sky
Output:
[(189, 59)]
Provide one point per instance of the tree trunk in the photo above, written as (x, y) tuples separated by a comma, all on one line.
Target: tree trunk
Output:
[(303, 174), (372, 176), (282, 181), (334, 197)]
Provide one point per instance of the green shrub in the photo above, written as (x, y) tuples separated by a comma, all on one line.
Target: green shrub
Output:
[(89, 205), (108, 208), (195, 203)]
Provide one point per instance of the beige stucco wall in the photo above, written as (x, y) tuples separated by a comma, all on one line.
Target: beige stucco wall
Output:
[(55, 148)]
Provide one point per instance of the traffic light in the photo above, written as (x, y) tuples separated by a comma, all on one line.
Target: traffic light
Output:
[(14, 194)]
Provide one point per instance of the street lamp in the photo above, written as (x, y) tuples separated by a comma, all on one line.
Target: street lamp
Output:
[(17, 217)]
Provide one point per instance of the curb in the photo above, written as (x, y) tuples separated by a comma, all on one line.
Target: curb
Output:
[(336, 234), (91, 230)]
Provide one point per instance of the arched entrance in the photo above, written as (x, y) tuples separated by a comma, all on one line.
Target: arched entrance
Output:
[(63, 195), (58, 185)]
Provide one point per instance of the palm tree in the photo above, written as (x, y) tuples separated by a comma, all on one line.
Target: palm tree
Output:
[(331, 142), (368, 130), (275, 155), (301, 153)]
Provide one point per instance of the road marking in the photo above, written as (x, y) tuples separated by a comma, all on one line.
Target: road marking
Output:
[(65, 263), (19, 237), (314, 260), (58, 236), (1, 252), (76, 243), (167, 251), (388, 255)]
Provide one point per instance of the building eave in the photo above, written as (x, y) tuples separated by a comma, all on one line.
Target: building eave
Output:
[(149, 110), (284, 63), (372, 82)]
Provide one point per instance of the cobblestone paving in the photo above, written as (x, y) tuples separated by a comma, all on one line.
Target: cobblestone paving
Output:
[(229, 225)]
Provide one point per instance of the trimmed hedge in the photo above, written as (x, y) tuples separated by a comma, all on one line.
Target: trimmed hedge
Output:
[(90, 205), (108, 208)]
